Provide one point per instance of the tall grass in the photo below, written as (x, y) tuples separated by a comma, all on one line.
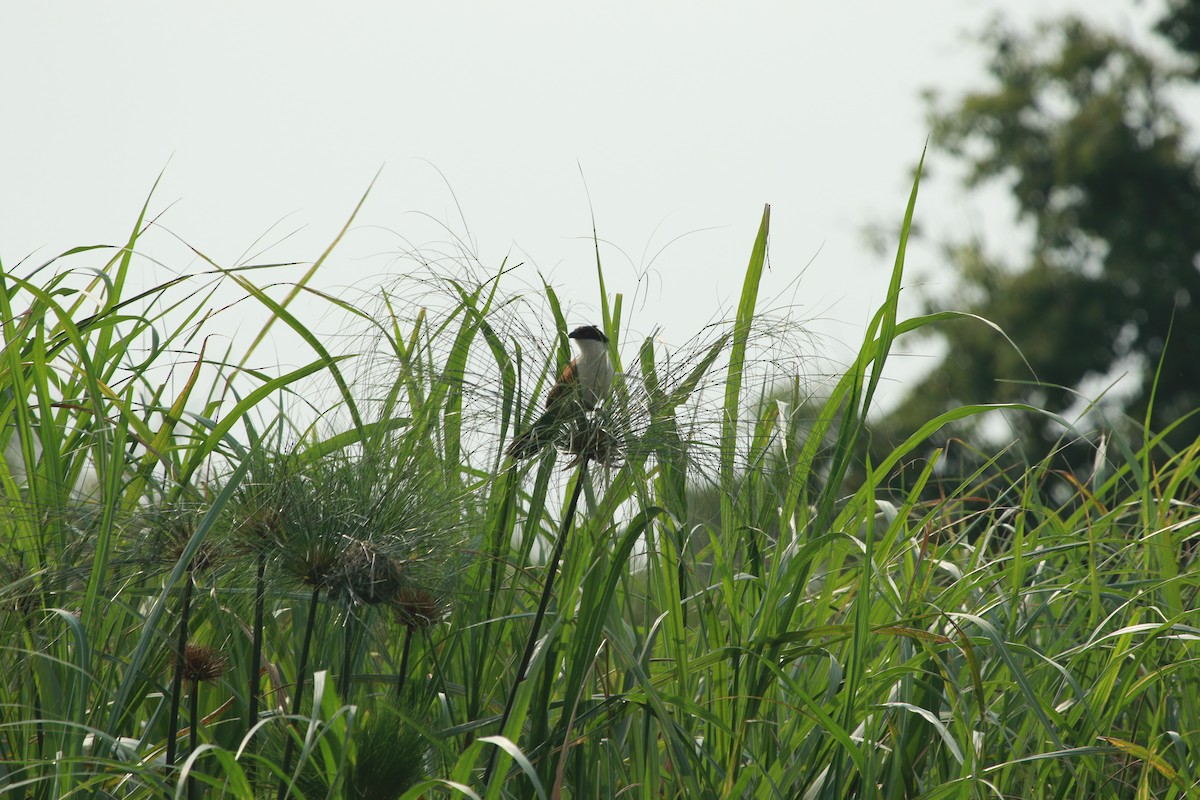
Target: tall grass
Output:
[(390, 608)]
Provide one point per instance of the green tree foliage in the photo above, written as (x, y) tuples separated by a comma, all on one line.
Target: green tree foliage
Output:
[(1080, 125), (1181, 26)]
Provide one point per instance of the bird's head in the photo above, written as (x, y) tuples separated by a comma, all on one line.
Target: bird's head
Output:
[(588, 333)]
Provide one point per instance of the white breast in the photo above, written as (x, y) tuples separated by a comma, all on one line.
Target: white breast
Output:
[(595, 372)]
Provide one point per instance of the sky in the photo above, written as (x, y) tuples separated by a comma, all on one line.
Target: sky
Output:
[(512, 126)]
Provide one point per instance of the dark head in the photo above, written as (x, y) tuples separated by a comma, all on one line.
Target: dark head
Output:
[(588, 333)]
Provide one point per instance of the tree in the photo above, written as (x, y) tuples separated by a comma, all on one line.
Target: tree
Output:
[(1080, 126)]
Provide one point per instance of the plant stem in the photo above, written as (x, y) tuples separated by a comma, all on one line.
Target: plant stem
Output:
[(543, 604), (193, 735), (348, 631), (260, 594), (298, 697), (180, 659), (403, 671)]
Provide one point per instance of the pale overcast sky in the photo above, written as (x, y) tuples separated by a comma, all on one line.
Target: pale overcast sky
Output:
[(680, 120)]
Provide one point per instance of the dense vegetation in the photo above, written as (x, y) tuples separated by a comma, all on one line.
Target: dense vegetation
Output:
[(209, 591), (326, 580), (1086, 130)]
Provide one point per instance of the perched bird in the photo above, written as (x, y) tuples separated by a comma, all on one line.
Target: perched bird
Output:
[(581, 386)]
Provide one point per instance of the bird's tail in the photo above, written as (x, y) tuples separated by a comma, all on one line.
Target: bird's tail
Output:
[(543, 432), (530, 443)]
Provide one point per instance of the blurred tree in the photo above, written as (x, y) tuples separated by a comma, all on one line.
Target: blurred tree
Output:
[(1080, 126), (1181, 27)]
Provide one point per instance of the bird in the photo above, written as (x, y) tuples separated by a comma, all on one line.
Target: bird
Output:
[(582, 385)]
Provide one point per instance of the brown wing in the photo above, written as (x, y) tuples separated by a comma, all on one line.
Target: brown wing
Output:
[(564, 384)]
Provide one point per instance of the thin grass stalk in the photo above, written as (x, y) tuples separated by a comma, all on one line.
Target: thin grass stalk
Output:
[(347, 649), (39, 726), (298, 697), (193, 735), (260, 595), (500, 540), (503, 530), (180, 665), (350, 642), (543, 604), (41, 730), (404, 654)]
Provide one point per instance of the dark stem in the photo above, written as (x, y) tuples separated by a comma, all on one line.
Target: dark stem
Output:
[(180, 659), (436, 675), (193, 736), (347, 656), (543, 604), (41, 731), (495, 556), (298, 697), (260, 595), (403, 671)]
